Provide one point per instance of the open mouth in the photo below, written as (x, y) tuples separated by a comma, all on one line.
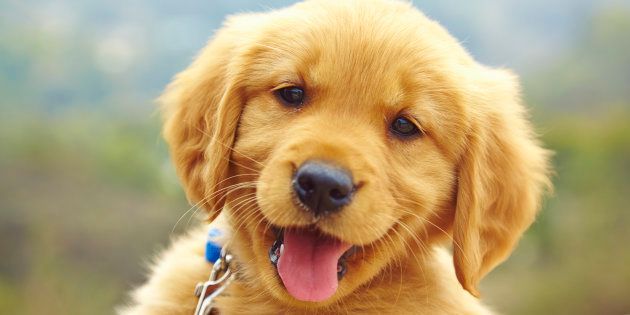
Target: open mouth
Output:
[(309, 263)]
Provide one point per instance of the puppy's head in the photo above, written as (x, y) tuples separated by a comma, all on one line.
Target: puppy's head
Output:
[(342, 136)]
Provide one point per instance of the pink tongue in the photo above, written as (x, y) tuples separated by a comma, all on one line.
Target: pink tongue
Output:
[(308, 264)]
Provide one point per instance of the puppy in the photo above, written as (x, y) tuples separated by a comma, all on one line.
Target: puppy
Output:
[(346, 143)]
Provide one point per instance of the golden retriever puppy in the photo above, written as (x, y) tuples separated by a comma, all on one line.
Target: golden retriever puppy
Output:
[(346, 143)]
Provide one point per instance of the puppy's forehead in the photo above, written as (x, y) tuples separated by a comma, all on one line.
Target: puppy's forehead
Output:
[(358, 67), (355, 48)]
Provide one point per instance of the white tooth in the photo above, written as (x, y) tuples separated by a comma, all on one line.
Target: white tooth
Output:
[(281, 249)]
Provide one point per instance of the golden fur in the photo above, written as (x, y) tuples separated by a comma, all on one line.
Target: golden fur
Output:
[(473, 179)]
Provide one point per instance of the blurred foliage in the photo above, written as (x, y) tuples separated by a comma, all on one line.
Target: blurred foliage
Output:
[(573, 260), (87, 192), (83, 202)]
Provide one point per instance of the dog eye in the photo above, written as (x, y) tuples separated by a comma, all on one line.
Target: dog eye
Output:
[(291, 96), (404, 128)]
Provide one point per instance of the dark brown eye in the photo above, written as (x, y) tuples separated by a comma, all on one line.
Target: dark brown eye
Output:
[(404, 128), (291, 96)]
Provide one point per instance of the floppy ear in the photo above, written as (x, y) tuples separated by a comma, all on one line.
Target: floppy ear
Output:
[(502, 176), (201, 109)]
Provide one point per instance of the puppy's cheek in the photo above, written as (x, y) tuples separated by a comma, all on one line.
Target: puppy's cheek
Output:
[(274, 194), (367, 219)]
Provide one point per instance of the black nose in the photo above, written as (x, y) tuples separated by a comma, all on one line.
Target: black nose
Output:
[(322, 188)]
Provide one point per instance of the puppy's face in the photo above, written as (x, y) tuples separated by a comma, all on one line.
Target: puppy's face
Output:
[(366, 117), (343, 138)]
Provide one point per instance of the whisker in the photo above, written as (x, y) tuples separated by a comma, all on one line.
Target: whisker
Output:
[(206, 198), (231, 148), (448, 235), (230, 189), (187, 211), (243, 217)]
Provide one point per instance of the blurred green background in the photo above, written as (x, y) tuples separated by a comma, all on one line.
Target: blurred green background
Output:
[(87, 193)]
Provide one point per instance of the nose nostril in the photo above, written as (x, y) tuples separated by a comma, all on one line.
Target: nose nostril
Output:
[(337, 194), (306, 183)]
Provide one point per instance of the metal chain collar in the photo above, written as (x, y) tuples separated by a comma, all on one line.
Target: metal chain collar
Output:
[(219, 280)]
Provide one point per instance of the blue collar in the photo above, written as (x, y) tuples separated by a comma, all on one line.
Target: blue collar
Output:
[(213, 248)]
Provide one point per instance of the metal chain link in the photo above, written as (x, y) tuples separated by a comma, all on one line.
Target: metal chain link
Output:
[(220, 278)]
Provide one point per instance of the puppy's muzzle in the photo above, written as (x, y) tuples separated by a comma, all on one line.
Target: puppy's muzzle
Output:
[(322, 188)]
